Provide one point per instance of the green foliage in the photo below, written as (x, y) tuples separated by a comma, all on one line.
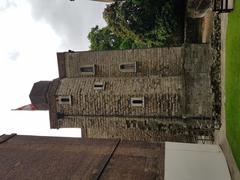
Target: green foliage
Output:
[(148, 23), (105, 39), (136, 24), (102, 39)]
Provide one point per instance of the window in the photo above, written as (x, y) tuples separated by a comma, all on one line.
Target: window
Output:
[(88, 70), (60, 115), (99, 85), (137, 101), (64, 100), (128, 67)]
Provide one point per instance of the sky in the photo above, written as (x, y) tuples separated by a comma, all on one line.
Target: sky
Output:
[(31, 32)]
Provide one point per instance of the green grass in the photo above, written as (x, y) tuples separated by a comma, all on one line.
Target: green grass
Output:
[(232, 80)]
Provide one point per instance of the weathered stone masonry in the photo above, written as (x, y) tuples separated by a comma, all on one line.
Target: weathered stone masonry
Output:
[(173, 85)]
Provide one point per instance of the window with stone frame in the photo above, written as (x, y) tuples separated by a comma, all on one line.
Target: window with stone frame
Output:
[(128, 67), (99, 86), (64, 100), (87, 70), (137, 102)]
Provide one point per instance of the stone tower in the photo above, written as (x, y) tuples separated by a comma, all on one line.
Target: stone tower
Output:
[(38, 95), (153, 94)]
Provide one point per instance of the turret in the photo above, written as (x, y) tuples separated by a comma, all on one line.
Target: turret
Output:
[(38, 95)]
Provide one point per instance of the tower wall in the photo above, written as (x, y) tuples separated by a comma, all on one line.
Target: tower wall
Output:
[(155, 61), (137, 135), (198, 91), (162, 96), (174, 82)]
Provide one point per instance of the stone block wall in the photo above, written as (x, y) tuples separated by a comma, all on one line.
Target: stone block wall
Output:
[(155, 61), (141, 123), (162, 96), (175, 83), (136, 135), (199, 96)]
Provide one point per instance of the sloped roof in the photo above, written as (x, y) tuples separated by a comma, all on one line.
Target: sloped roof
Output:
[(34, 157)]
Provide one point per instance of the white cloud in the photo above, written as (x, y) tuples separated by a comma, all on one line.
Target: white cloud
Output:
[(71, 20), (34, 44), (30, 35), (13, 55), (5, 4)]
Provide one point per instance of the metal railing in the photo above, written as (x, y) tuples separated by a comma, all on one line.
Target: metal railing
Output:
[(223, 6)]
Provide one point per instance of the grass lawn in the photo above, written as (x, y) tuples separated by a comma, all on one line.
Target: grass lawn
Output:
[(232, 80)]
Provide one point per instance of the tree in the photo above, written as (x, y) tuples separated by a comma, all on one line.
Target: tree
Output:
[(139, 24), (105, 39), (102, 39), (149, 23)]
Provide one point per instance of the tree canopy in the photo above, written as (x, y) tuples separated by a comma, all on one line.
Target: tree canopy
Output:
[(105, 39), (136, 24)]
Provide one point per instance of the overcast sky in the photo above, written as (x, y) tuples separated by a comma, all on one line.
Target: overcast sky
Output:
[(31, 32)]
